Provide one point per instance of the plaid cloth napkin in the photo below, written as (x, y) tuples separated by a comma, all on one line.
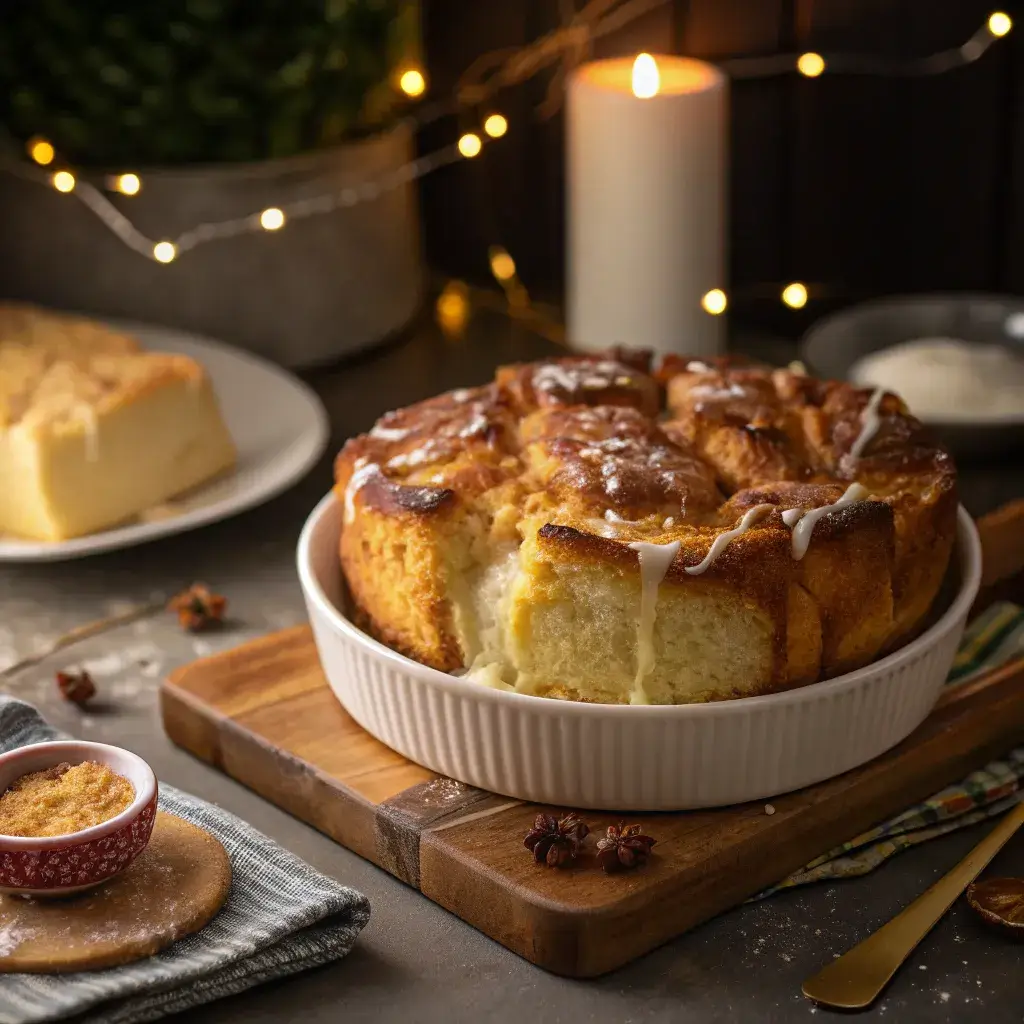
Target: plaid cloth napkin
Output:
[(994, 637), (281, 917)]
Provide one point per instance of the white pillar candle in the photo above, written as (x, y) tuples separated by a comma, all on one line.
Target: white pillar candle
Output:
[(646, 183)]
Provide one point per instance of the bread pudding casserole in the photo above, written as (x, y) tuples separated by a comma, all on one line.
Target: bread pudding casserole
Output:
[(94, 430), (584, 530)]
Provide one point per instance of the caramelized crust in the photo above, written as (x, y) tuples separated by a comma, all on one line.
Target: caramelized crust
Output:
[(58, 372), (502, 529)]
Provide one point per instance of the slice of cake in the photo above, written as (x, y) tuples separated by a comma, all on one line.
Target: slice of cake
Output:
[(93, 429)]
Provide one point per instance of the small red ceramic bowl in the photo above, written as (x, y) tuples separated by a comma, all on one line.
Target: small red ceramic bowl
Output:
[(62, 865)]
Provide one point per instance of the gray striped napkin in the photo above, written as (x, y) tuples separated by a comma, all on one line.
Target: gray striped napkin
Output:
[(281, 917)]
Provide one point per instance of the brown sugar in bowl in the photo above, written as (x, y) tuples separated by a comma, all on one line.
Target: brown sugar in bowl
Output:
[(59, 865)]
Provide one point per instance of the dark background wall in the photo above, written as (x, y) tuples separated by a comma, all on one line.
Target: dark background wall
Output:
[(866, 185)]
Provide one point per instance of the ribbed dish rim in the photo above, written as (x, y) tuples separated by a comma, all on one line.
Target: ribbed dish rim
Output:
[(967, 549)]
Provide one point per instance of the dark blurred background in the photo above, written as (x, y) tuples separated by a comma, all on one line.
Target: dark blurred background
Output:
[(858, 185)]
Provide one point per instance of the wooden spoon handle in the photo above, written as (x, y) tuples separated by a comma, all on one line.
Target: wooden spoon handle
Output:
[(856, 979)]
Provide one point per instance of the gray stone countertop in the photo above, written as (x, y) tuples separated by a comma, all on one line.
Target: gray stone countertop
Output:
[(415, 961)]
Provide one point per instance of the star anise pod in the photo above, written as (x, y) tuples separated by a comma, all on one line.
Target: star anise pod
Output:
[(622, 847), (76, 687), (556, 841), (198, 608)]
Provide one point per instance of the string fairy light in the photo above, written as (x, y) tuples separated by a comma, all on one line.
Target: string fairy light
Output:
[(495, 125), (412, 83), (164, 252), (63, 181), (41, 151), (272, 219), (503, 267), (491, 72), (128, 184), (810, 65), (470, 145), (714, 301), (794, 295), (999, 23), (452, 308), (996, 26)]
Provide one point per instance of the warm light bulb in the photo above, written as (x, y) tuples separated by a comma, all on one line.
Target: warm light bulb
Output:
[(453, 308), (469, 144), (412, 83), (795, 295), (999, 23), (503, 267), (164, 252), (63, 181), (714, 301), (810, 64), (646, 80), (41, 151), (495, 126), (271, 219), (129, 184)]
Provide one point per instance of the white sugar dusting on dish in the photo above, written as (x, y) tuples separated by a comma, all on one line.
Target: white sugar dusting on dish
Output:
[(948, 380)]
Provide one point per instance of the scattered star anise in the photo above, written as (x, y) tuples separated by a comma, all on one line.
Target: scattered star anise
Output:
[(198, 608), (999, 902), (556, 841), (622, 847), (76, 687)]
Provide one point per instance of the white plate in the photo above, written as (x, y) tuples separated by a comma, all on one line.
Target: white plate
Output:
[(620, 757), (278, 424)]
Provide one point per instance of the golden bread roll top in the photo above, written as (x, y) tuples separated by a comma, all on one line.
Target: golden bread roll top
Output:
[(554, 534)]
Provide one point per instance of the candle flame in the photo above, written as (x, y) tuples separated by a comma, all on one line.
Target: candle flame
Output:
[(646, 80)]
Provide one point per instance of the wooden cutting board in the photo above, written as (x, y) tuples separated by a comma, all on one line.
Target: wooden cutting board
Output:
[(264, 714)]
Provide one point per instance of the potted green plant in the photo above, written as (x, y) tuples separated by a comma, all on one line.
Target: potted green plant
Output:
[(219, 109)]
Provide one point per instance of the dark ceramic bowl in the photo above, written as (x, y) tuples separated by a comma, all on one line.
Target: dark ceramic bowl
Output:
[(833, 345)]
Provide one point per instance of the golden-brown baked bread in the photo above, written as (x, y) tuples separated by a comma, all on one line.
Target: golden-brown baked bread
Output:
[(93, 429), (550, 533)]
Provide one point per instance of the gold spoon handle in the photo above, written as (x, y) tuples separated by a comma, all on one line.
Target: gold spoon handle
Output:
[(854, 981)]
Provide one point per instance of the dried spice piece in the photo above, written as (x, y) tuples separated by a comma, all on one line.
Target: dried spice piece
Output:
[(623, 847), (999, 902), (198, 608), (556, 841), (76, 687)]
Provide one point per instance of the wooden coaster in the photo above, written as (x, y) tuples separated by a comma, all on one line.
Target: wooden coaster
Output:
[(174, 888)]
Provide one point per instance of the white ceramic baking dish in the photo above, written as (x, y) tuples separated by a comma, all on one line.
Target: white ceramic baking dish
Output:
[(616, 757)]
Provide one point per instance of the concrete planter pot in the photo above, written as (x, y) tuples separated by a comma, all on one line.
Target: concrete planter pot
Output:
[(320, 288)]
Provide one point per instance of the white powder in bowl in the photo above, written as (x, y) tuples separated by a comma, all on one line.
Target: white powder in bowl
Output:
[(945, 379)]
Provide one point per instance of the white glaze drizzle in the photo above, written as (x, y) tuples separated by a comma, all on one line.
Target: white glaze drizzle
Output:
[(803, 525), (551, 376), (390, 433), (363, 471), (723, 540), (792, 516), (717, 394), (655, 560), (870, 422)]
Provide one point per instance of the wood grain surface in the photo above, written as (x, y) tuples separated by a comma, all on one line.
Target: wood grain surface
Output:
[(264, 714)]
